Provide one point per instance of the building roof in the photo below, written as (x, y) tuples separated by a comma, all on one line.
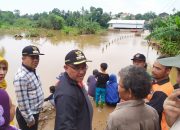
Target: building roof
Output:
[(126, 21)]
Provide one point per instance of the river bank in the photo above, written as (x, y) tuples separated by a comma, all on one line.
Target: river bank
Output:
[(47, 117), (30, 32), (114, 48)]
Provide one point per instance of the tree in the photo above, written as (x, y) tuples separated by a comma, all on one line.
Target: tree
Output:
[(17, 13), (36, 16), (149, 15), (7, 17), (167, 31), (177, 14), (56, 21), (56, 11), (23, 22), (105, 18), (139, 17)]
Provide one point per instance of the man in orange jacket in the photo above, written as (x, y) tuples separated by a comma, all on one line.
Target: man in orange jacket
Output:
[(161, 89)]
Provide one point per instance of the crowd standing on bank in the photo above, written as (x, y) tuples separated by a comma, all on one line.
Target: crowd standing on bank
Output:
[(151, 101)]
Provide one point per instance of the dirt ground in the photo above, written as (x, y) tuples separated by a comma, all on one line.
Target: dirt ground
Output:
[(47, 117)]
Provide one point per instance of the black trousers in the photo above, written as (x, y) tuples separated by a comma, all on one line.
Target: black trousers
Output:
[(22, 123)]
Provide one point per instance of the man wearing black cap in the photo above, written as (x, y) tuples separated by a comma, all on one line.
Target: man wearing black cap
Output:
[(73, 107), (28, 90), (139, 60)]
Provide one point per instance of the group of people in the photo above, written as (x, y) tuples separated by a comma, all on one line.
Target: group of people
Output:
[(147, 102), (144, 93), (103, 87)]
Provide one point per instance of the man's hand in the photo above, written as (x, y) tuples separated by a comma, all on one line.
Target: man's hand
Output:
[(172, 107)]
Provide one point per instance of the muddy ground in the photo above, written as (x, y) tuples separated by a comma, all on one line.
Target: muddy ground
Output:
[(47, 117)]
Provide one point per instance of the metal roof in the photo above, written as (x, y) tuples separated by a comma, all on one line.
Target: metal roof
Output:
[(126, 21)]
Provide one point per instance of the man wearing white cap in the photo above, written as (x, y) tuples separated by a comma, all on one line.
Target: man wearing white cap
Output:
[(161, 89), (172, 103)]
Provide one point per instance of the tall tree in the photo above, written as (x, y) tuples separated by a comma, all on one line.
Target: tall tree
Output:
[(17, 13)]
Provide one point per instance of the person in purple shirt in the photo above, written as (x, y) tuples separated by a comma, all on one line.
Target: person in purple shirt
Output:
[(91, 83), (7, 111)]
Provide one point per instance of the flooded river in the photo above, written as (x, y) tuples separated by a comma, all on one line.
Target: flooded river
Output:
[(114, 48)]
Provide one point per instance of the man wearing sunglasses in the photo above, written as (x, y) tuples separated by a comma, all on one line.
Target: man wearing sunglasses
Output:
[(73, 107), (28, 90)]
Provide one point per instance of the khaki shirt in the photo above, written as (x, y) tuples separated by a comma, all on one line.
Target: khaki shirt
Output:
[(133, 115)]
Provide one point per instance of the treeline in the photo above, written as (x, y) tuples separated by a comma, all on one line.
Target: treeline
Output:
[(82, 22), (167, 32), (86, 21), (165, 28)]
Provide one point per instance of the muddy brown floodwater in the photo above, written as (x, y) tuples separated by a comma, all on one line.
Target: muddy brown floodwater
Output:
[(114, 48)]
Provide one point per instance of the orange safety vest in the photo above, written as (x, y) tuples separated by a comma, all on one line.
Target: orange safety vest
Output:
[(166, 88)]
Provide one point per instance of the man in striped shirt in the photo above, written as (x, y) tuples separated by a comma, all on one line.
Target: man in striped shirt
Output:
[(28, 90)]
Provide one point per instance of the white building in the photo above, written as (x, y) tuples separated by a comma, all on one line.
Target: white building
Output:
[(126, 24)]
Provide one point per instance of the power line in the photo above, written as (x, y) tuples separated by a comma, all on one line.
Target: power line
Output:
[(168, 6), (172, 6), (164, 5)]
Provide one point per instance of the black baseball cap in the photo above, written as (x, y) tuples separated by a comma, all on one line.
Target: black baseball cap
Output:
[(75, 57), (31, 50), (139, 56)]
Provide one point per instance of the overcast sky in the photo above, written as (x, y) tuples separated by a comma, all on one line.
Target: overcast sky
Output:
[(114, 6)]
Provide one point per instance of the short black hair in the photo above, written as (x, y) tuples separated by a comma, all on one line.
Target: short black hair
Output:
[(52, 89), (95, 72), (104, 66), (137, 80)]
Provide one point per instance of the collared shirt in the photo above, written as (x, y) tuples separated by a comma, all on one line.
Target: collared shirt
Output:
[(29, 92), (73, 108), (161, 82)]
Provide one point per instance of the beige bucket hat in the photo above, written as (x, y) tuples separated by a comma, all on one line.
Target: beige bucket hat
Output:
[(171, 61)]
